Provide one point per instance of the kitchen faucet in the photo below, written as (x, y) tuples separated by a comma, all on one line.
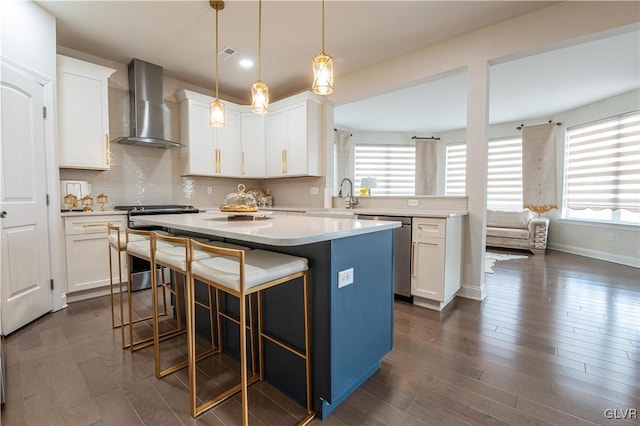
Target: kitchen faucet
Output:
[(349, 202)]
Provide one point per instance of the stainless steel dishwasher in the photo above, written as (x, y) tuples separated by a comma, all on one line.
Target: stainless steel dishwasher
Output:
[(401, 254)]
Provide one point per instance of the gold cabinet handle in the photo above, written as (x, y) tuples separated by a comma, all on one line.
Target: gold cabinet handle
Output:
[(242, 167), (89, 225), (216, 165), (413, 259), (107, 145), (282, 161), (285, 161)]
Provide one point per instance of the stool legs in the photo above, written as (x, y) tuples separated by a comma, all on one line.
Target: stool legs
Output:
[(111, 248), (307, 347)]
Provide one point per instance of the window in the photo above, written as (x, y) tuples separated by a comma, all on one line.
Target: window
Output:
[(394, 166), (455, 169), (504, 174), (602, 170)]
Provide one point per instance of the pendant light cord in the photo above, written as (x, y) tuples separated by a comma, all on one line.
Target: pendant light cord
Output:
[(216, 54), (260, 40), (323, 27)]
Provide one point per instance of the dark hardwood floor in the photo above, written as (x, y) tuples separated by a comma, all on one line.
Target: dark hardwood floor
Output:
[(556, 341)]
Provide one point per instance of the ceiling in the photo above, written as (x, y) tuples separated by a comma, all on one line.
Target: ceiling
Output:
[(180, 37), (532, 87)]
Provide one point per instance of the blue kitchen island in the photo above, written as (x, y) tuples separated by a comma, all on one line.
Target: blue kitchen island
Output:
[(351, 324)]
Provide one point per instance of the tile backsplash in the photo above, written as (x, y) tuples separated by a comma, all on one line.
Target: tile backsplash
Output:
[(145, 175)]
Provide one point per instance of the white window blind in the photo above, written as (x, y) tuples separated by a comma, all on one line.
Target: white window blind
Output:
[(603, 165), (504, 174), (394, 166), (455, 169)]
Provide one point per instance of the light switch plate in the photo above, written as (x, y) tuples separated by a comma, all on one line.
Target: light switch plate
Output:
[(314, 190), (345, 277)]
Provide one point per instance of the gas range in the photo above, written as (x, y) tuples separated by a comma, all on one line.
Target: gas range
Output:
[(137, 210)]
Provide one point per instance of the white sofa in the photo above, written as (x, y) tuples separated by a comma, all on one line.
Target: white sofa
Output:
[(518, 229)]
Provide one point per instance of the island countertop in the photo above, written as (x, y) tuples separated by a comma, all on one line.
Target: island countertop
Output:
[(275, 230)]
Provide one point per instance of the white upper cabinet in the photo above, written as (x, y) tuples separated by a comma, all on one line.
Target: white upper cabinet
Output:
[(293, 137), (284, 142), (83, 114), (210, 151), (253, 148)]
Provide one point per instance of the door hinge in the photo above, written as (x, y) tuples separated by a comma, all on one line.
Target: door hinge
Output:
[(47, 199), (51, 282), (44, 112)]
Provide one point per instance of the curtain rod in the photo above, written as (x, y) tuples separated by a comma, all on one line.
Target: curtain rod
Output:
[(522, 125), (420, 137), (335, 130)]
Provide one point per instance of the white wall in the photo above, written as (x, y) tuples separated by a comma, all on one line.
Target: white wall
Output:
[(28, 42), (546, 29)]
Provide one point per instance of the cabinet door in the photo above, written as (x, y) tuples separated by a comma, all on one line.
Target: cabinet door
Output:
[(229, 145), (253, 145), (83, 114), (427, 275), (276, 143), (296, 149), (87, 252), (200, 138)]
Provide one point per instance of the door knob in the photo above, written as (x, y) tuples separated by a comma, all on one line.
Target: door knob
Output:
[(3, 214)]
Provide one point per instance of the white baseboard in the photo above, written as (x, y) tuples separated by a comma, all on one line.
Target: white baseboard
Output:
[(472, 292), (615, 258), (90, 294)]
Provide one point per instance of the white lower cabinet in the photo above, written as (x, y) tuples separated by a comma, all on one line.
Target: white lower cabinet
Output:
[(87, 251), (436, 261)]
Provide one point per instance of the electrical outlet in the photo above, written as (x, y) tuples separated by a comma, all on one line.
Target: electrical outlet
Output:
[(612, 237), (345, 277), (314, 190), (209, 190), (413, 203)]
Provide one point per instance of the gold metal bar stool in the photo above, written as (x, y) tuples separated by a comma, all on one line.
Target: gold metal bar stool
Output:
[(174, 253), (138, 244), (118, 242), (117, 239), (242, 274)]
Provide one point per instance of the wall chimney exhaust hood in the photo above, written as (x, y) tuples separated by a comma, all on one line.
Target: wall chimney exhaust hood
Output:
[(146, 107)]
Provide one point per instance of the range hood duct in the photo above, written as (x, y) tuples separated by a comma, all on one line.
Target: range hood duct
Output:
[(146, 107)]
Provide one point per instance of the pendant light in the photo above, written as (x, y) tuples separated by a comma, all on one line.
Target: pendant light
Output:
[(216, 108), (322, 68), (259, 90)]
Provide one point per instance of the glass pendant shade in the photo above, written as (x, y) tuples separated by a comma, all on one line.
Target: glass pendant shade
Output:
[(259, 98), (322, 74), (216, 113)]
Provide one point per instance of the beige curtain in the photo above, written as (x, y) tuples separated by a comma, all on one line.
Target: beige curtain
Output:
[(343, 157), (426, 166), (539, 167)]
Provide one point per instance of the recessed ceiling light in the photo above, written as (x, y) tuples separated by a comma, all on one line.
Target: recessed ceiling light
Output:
[(246, 63)]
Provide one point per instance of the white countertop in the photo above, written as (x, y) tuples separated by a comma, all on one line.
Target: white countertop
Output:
[(410, 212), (275, 230), (93, 213)]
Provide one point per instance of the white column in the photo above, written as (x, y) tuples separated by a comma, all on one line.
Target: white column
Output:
[(477, 142)]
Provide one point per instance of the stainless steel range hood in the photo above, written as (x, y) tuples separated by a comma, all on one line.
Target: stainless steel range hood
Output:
[(146, 107)]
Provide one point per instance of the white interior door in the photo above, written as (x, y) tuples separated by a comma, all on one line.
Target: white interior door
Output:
[(25, 290)]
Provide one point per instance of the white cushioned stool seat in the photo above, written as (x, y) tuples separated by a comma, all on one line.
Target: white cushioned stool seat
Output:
[(261, 266), (143, 248), (175, 257), (113, 239)]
